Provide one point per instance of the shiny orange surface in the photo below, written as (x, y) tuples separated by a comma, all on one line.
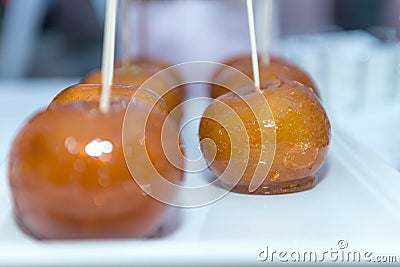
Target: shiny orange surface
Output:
[(69, 178), (278, 69), (92, 92), (301, 132)]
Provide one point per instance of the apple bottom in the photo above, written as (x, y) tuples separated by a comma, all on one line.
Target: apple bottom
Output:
[(47, 223), (156, 231), (272, 188)]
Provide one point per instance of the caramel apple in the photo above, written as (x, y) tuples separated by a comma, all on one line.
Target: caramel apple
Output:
[(277, 69), (293, 134), (139, 71), (69, 178)]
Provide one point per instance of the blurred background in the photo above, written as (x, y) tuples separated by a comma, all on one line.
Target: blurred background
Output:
[(350, 47), (64, 37)]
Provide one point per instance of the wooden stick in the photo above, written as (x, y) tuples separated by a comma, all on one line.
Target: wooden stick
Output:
[(107, 68), (254, 54), (266, 31), (126, 34)]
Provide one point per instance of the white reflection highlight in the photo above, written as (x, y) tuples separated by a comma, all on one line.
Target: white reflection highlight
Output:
[(98, 147)]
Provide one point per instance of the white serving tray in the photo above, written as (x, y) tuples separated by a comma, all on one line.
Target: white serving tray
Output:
[(356, 200)]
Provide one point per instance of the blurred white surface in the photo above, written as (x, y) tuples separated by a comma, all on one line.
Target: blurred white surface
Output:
[(353, 69), (377, 128), (359, 79)]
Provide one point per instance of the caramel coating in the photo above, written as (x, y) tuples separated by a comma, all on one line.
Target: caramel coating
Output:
[(69, 178), (278, 69), (139, 71), (119, 92), (301, 132)]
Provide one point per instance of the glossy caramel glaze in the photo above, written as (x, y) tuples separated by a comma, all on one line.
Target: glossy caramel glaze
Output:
[(119, 92), (301, 132), (278, 69), (69, 178), (138, 73)]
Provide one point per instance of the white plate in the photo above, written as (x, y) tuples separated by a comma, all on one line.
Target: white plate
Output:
[(356, 201)]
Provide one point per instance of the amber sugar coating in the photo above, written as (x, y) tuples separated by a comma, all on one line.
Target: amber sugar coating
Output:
[(301, 130), (278, 69), (138, 73), (119, 92), (69, 178)]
